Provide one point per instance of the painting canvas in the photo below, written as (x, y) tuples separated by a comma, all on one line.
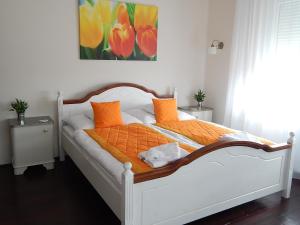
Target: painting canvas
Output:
[(113, 30)]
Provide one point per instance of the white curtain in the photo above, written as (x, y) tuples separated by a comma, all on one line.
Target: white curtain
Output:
[(264, 85)]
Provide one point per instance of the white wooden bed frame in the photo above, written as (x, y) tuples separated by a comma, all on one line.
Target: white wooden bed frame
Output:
[(215, 178)]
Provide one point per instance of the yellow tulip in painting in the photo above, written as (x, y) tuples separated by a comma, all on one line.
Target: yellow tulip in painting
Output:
[(145, 16), (103, 8), (91, 27), (113, 30)]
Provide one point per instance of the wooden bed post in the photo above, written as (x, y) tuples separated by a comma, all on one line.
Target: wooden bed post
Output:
[(175, 93), (289, 168), (59, 124), (127, 195)]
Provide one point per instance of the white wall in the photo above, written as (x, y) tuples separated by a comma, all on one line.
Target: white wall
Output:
[(39, 55), (220, 27)]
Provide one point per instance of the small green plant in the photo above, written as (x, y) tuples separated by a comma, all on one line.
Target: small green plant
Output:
[(199, 96), (19, 106)]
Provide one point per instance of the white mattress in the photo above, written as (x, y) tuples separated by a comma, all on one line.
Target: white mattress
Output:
[(104, 159), (68, 130)]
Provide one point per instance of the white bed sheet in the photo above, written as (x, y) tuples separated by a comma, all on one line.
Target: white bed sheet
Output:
[(176, 136), (101, 157), (95, 153)]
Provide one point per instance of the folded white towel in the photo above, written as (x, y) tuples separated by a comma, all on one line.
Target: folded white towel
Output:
[(162, 155), (156, 163), (240, 136)]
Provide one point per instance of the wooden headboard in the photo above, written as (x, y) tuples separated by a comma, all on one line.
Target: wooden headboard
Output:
[(130, 95), (115, 86)]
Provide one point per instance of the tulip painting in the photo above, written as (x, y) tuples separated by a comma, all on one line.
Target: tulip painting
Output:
[(113, 30)]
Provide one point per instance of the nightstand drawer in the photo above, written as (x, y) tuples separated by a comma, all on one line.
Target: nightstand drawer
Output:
[(32, 144)]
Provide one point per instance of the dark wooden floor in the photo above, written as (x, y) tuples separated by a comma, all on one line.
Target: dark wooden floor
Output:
[(64, 197)]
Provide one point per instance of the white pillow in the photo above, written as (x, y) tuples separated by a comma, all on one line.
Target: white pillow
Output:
[(181, 115), (142, 115), (89, 114), (185, 116), (147, 117), (80, 122), (149, 108), (127, 119)]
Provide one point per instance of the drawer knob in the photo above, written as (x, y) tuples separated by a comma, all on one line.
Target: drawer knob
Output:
[(45, 130)]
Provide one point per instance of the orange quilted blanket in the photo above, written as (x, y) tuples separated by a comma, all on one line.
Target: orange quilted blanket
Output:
[(202, 132), (125, 142)]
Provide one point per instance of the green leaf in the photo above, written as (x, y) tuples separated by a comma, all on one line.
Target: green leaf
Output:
[(99, 50), (20, 106), (199, 96), (82, 53), (91, 2), (107, 28), (154, 58), (90, 53), (131, 11), (108, 55)]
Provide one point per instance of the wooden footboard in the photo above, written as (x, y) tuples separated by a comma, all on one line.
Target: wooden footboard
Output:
[(205, 185), (172, 167)]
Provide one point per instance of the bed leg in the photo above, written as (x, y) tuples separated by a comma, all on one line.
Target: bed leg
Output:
[(127, 195), (61, 154), (289, 169)]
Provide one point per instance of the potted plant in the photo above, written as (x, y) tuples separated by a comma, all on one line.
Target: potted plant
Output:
[(19, 106), (199, 97)]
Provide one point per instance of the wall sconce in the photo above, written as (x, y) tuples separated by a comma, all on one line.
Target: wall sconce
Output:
[(215, 45)]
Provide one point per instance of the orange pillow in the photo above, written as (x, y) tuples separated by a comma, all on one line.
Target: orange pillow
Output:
[(165, 110), (107, 114)]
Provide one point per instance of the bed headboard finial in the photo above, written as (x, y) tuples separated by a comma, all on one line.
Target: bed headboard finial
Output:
[(175, 93), (291, 138)]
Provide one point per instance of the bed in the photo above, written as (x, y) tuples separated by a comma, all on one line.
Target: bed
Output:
[(215, 178)]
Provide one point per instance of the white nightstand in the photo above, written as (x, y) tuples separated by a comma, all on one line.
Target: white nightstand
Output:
[(32, 143), (203, 113)]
